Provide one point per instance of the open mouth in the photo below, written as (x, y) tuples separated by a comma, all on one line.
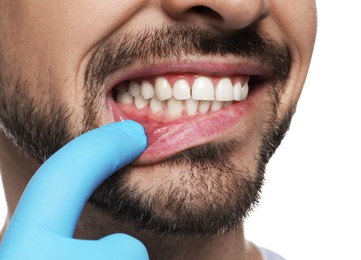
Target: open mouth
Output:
[(182, 110)]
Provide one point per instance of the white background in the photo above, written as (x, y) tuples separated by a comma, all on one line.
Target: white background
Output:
[(310, 206)]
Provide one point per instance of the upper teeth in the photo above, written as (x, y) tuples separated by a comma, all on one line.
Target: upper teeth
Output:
[(201, 97)]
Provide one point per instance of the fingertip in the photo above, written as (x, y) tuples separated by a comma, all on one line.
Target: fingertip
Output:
[(136, 130), (124, 245), (132, 123)]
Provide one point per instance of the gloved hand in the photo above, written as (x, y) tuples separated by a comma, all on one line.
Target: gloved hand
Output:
[(44, 221)]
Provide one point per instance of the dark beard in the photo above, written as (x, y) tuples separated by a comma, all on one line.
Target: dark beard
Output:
[(42, 130), (223, 193), (38, 130)]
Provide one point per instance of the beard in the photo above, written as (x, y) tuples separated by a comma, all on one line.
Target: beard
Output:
[(209, 190)]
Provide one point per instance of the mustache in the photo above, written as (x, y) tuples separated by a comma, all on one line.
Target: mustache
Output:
[(178, 41)]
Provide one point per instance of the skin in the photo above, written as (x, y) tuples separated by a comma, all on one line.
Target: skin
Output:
[(50, 44)]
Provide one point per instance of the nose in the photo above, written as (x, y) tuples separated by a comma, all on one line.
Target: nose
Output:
[(221, 14)]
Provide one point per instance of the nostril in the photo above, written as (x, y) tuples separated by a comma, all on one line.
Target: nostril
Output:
[(206, 11)]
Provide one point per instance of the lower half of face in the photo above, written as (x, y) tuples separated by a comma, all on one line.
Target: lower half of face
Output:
[(198, 181), (204, 190), (214, 108)]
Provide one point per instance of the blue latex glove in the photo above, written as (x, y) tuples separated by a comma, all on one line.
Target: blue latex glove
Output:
[(43, 224)]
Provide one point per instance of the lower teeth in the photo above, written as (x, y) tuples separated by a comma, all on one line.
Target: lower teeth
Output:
[(173, 106)]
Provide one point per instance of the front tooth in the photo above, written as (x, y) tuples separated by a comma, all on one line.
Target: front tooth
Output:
[(237, 91), (224, 90), (140, 102), (191, 106), (202, 89), (175, 107), (156, 105), (216, 105), (147, 90), (245, 90), (204, 106), (163, 90), (134, 88), (124, 98), (181, 90)]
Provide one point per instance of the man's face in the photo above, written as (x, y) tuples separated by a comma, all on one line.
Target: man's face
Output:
[(214, 83)]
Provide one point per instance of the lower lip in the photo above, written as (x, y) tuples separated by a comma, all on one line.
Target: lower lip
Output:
[(166, 138)]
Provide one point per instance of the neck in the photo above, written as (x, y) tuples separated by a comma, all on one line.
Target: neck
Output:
[(230, 245), (17, 168)]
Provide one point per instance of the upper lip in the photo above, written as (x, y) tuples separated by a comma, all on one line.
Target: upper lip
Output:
[(201, 67)]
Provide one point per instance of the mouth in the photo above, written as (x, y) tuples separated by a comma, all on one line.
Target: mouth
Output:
[(185, 106)]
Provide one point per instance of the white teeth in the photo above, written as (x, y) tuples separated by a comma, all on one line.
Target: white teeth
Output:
[(134, 88), (216, 105), (201, 98), (191, 106), (156, 105), (203, 89), (204, 106), (163, 90), (147, 90), (124, 98), (175, 107), (224, 90), (237, 91), (140, 102), (181, 90), (240, 92), (245, 90)]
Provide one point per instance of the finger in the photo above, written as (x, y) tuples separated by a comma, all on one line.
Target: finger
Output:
[(116, 246), (59, 190), (45, 245)]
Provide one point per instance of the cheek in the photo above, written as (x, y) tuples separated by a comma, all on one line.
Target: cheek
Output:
[(296, 22), (57, 36)]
